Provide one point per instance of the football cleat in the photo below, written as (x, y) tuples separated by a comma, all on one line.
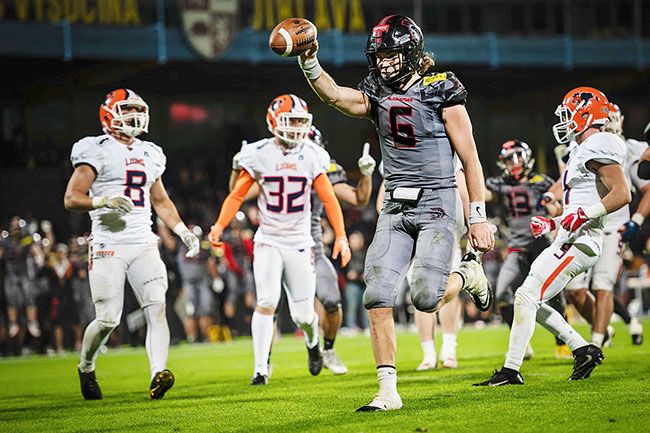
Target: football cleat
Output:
[(382, 402), (562, 351), (505, 376), (636, 331), (315, 360), (89, 387), (450, 362), (160, 384), (586, 359), (333, 363), (427, 364), (475, 282), (260, 379)]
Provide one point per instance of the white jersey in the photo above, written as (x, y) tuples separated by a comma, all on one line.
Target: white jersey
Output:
[(121, 170), (285, 177), (635, 149), (582, 188)]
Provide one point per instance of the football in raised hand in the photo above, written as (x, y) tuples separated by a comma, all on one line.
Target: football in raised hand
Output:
[(292, 37)]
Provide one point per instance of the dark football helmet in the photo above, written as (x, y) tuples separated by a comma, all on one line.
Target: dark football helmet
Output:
[(515, 160), (396, 33), (316, 136)]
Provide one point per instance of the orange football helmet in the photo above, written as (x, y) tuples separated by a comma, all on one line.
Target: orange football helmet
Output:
[(581, 108), (288, 119), (125, 112), (614, 120)]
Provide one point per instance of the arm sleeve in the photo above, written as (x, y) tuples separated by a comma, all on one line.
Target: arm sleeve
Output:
[(233, 202), (325, 192), (87, 151)]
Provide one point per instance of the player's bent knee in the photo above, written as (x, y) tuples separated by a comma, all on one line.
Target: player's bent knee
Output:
[(331, 305), (423, 301), (303, 317), (379, 297)]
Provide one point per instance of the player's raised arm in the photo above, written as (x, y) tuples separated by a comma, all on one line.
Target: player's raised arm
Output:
[(168, 213), (345, 99), (459, 130), (323, 188), (230, 206)]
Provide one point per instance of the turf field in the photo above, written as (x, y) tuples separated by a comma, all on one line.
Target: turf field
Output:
[(212, 391)]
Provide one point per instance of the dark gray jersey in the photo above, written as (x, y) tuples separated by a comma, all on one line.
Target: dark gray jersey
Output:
[(336, 174), (520, 205), (15, 256), (414, 144), (192, 269)]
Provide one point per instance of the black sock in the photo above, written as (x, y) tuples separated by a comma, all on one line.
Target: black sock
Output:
[(621, 310), (508, 314), (329, 344)]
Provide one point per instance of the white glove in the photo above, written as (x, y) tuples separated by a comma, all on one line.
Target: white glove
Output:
[(217, 285), (189, 239), (117, 202), (235, 159), (367, 163), (46, 226)]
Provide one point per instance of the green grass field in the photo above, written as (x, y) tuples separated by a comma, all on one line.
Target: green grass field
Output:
[(212, 391)]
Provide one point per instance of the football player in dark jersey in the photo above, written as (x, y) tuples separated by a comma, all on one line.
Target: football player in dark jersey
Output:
[(422, 124), (522, 192)]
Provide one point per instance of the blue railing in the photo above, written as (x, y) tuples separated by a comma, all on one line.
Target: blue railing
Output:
[(162, 44)]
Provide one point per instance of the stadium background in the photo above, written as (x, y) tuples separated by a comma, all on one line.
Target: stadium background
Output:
[(59, 58)]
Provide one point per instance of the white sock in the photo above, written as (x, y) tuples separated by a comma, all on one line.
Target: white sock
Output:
[(597, 339), (523, 327), (157, 339), (448, 346), (94, 336), (428, 350), (553, 321), (262, 331), (311, 332), (387, 379)]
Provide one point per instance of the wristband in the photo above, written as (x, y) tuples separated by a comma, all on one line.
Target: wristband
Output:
[(311, 68), (638, 218), (596, 210), (477, 212), (98, 202), (180, 229)]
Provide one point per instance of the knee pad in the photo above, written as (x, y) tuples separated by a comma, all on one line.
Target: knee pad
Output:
[(428, 285), (331, 304), (524, 300), (381, 288), (302, 316)]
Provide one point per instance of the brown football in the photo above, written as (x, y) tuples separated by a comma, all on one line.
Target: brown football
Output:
[(292, 37)]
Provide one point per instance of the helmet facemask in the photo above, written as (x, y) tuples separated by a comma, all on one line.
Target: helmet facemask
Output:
[(129, 117), (292, 128), (565, 130)]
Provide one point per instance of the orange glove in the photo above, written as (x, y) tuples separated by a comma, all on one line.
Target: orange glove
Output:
[(341, 247)]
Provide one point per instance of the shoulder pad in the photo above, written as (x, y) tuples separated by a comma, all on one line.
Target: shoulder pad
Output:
[(443, 88)]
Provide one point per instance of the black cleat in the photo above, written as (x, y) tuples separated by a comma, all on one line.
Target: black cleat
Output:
[(160, 384), (636, 331), (89, 386), (260, 379), (315, 360), (586, 359), (637, 339), (506, 376)]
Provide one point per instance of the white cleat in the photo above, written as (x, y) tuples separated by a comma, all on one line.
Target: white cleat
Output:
[(382, 402), (333, 363), (34, 329), (427, 364), (13, 330), (476, 283), (450, 362)]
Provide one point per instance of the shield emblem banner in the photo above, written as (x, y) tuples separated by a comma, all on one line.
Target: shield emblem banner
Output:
[(209, 25)]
